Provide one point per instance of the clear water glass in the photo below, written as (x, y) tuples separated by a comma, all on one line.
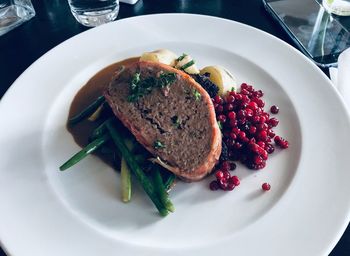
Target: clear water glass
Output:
[(13, 13), (93, 13), (338, 7)]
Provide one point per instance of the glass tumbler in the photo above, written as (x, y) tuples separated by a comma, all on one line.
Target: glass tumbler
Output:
[(13, 13), (93, 13), (338, 7)]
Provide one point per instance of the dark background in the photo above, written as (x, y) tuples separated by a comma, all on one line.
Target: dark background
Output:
[(54, 23)]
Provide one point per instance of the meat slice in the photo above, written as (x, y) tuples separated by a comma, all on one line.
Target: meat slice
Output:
[(174, 121)]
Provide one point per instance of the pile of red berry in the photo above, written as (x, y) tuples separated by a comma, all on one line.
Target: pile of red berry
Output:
[(224, 180), (247, 130)]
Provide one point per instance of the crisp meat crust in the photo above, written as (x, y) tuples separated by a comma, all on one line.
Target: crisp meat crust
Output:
[(180, 116)]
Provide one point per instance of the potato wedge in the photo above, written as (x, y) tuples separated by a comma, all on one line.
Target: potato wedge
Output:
[(162, 55), (192, 69), (221, 77)]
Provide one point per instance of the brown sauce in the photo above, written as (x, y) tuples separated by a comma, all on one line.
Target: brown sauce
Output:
[(85, 96)]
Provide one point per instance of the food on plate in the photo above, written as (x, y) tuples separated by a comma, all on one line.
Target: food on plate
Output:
[(170, 114), (164, 56), (248, 133), (125, 177), (156, 118), (186, 63), (221, 77), (266, 186)]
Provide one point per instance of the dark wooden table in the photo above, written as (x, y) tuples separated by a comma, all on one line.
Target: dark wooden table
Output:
[(54, 23)]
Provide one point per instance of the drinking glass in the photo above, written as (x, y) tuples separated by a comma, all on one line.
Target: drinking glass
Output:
[(92, 13), (338, 7), (13, 13)]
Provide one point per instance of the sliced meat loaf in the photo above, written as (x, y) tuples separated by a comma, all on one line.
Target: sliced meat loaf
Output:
[(174, 119)]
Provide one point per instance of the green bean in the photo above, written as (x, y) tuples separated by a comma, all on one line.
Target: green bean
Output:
[(97, 113), (140, 159), (125, 181), (87, 111), (169, 181), (160, 189), (135, 168), (85, 151), (99, 130)]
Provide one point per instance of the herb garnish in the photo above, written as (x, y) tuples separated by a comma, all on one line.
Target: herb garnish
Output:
[(135, 80), (176, 121), (233, 89), (166, 79), (197, 95), (157, 144), (181, 57), (141, 87), (220, 125), (187, 65)]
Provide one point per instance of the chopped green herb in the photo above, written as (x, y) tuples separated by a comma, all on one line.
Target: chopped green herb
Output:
[(166, 79), (187, 65), (135, 79), (176, 121), (157, 144), (139, 88), (197, 95), (233, 89), (220, 125), (181, 57)]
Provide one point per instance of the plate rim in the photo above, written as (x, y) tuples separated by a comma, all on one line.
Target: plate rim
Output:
[(13, 87)]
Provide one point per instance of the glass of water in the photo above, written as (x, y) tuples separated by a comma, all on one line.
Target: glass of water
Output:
[(338, 7), (13, 13), (93, 13)]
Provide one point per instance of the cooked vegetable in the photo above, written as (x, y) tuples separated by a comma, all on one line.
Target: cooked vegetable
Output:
[(87, 111), (96, 114), (129, 144), (99, 131), (85, 151), (181, 57), (125, 181), (187, 64), (221, 77), (169, 182), (163, 195), (140, 159), (162, 55), (208, 85), (135, 168)]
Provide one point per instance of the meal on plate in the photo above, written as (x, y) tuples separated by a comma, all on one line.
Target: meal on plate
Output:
[(159, 118)]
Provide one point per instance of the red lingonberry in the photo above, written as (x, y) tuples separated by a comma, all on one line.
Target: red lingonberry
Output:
[(274, 109), (219, 109), (266, 186), (225, 166), (222, 118), (231, 115), (214, 185), (230, 99), (252, 129), (218, 99), (273, 122), (235, 180), (219, 175)]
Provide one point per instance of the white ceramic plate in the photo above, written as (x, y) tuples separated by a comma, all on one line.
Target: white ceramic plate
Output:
[(78, 212)]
